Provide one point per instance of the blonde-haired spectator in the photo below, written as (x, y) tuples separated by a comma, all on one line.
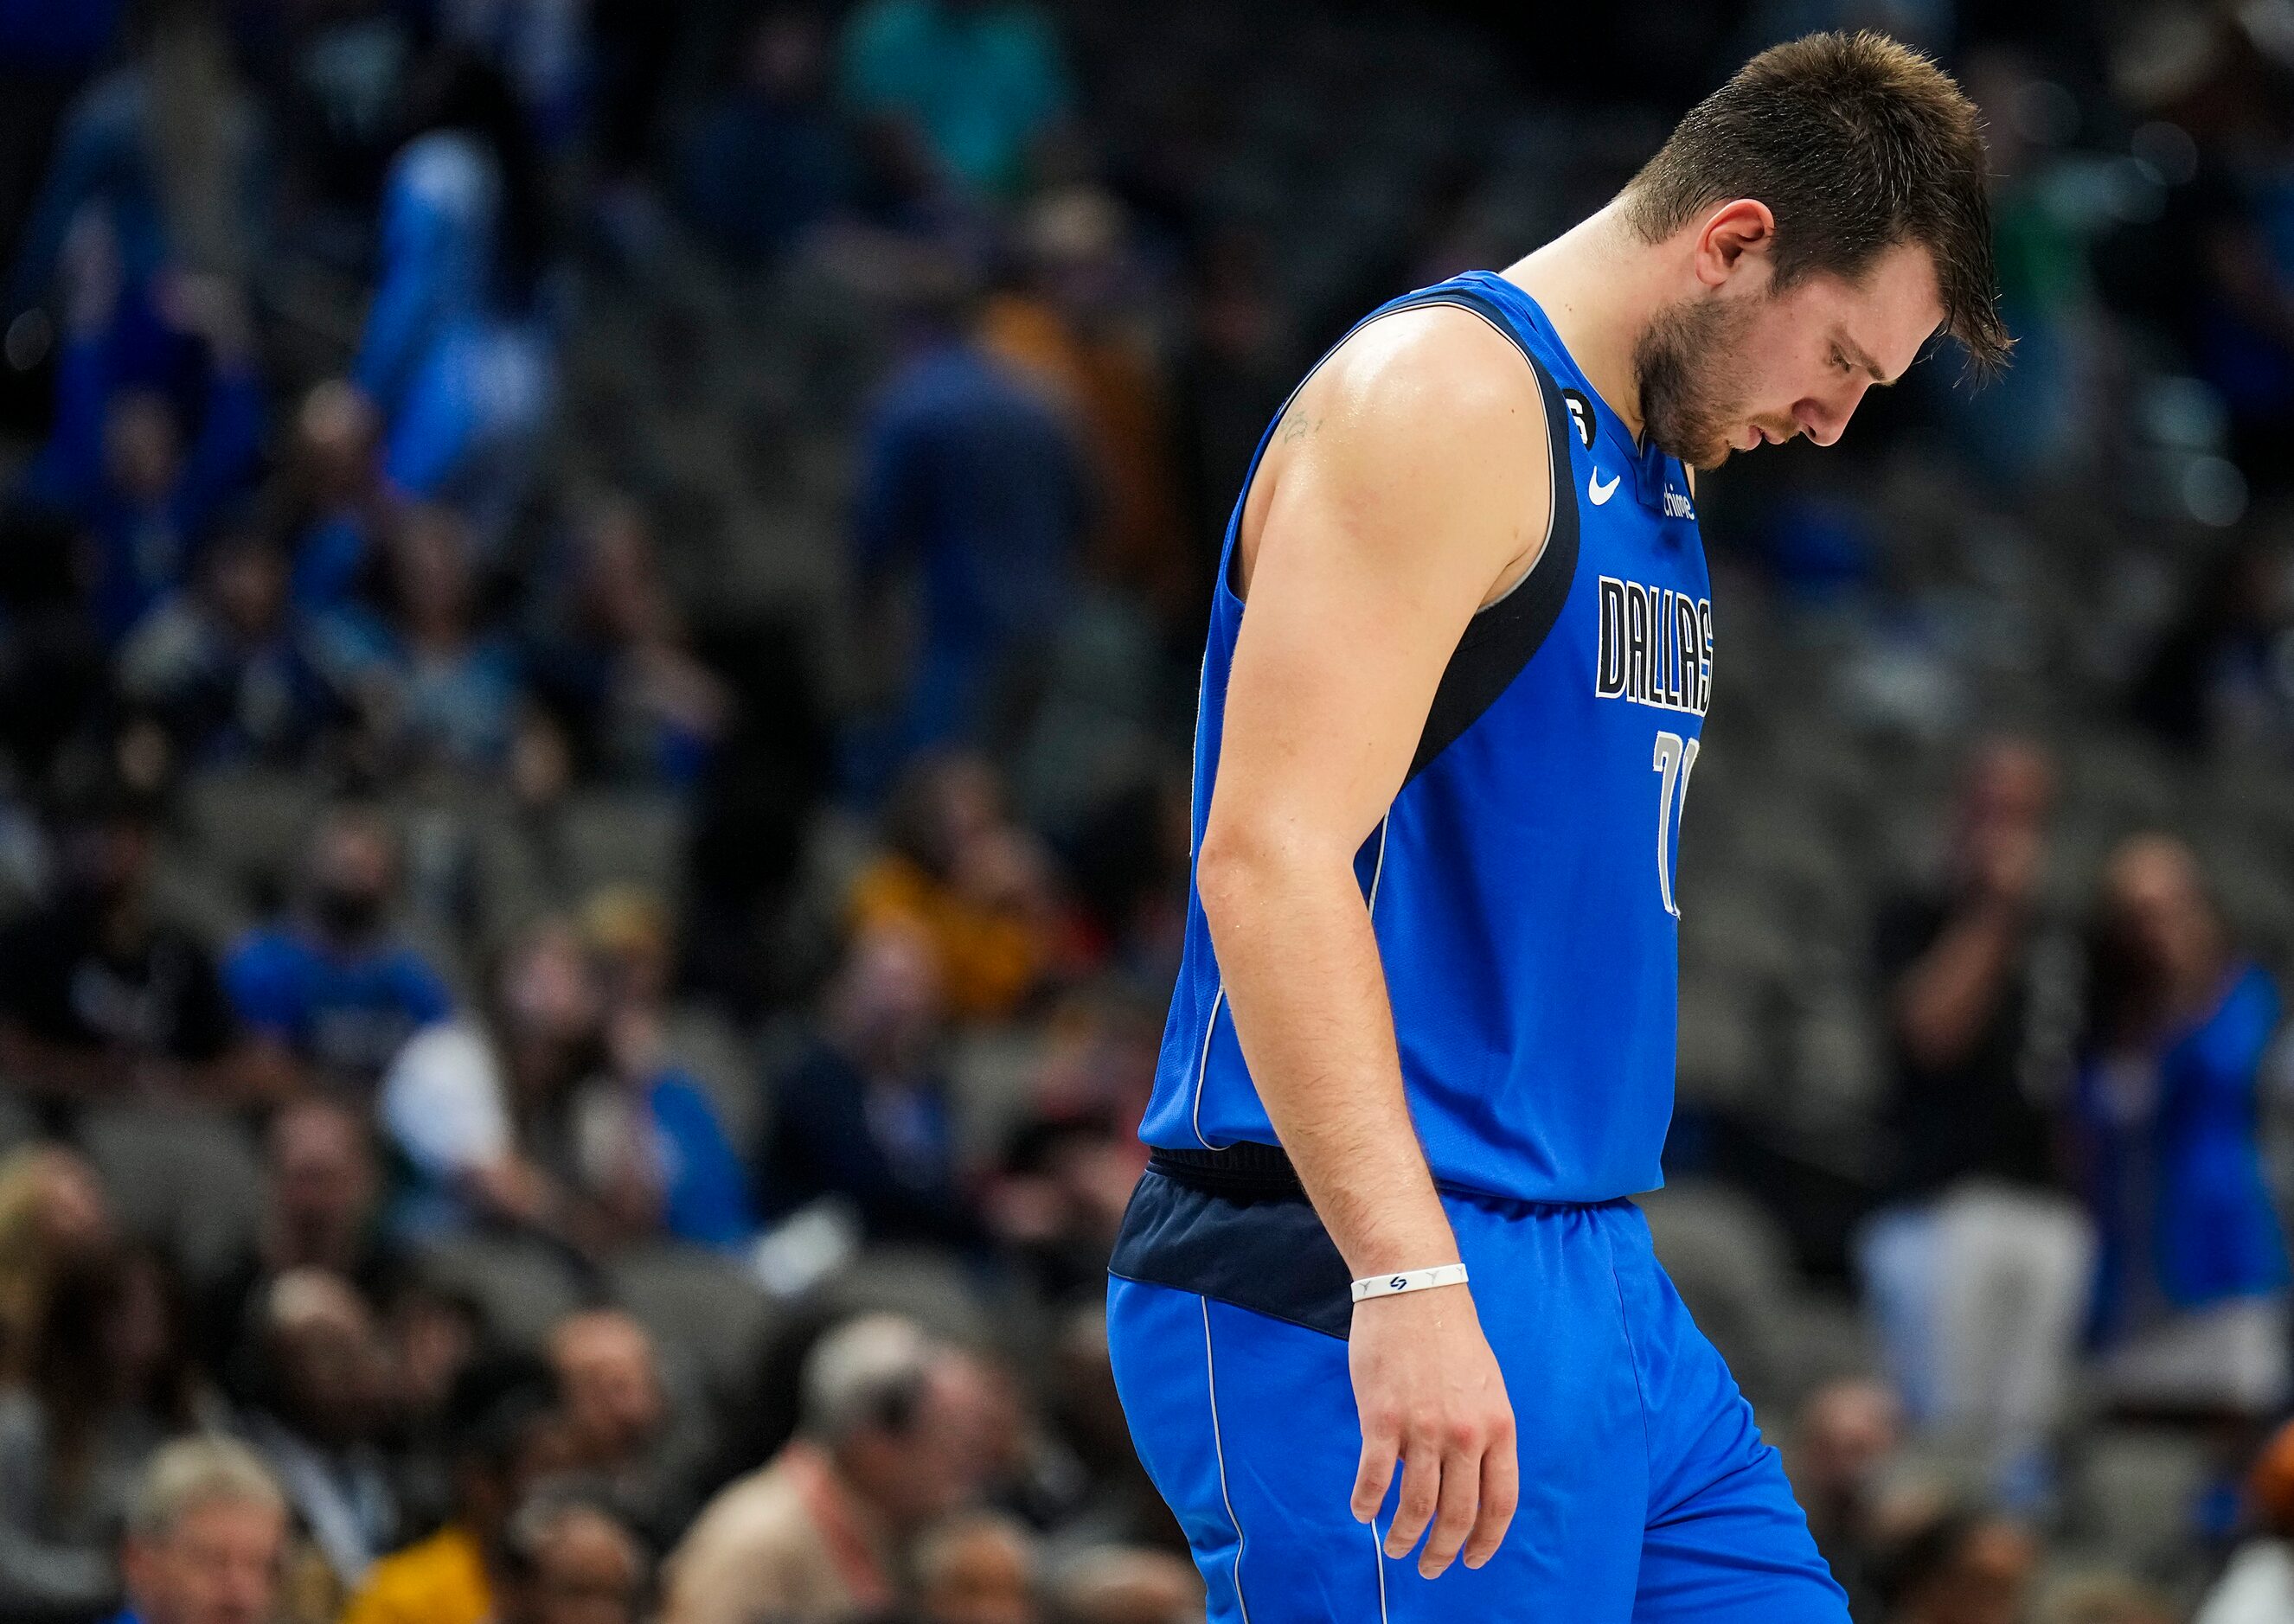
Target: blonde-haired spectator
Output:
[(51, 1206), (205, 1532)]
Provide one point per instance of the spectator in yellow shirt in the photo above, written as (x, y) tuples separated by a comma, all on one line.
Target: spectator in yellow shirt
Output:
[(503, 1428)]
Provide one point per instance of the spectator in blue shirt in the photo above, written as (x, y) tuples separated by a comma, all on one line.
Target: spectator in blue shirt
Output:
[(557, 1119), (432, 686), (46, 52), (330, 498), (227, 664), (968, 474), (864, 1113), (333, 986), (454, 355), (2191, 1294), (121, 460), (769, 158)]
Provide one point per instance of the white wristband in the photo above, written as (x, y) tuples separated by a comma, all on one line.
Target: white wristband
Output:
[(1410, 1280)]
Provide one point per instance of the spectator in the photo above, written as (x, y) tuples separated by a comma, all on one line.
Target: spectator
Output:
[(2237, 297), (121, 460), (107, 1382), (1961, 1567), (980, 1568), (321, 1196), (864, 1113), (2218, 678), (769, 159), (433, 685), (2191, 1291), (556, 1121), (615, 664), (228, 665), (960, 870), (162, 149), (1072, 1155), (1078, 325), (567, 1560), (454, 355), (205, 1531), (1118, 1505), (967, 475), (1848, 1432), (100, 998), (1978, 1268), (622, 1432), (52, 1212), (319, 1425), (888, 1444), (1121, 1585), (505, 1438), (334, 85), (2258, 1586), (975, 84), (332, 989), (329, 496), (49, 54)]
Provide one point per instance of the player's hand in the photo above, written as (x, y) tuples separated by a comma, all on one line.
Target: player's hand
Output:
[(1432, 1398)]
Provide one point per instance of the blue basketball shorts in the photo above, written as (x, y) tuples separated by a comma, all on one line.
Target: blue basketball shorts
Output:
[(1646, 1493)]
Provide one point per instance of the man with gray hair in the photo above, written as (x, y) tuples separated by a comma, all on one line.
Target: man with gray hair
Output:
[(205, 1531), (893, 1434)]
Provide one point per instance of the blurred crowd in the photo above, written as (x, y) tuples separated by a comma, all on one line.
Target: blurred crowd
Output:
[(599, 606)]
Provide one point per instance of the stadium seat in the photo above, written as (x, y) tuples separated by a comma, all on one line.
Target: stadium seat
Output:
[(1733, 1268), (702, 1305), (522, 1285), (921, 1282), (187, 1180)]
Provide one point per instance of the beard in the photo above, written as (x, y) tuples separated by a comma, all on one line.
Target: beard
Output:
[(1683, 364)]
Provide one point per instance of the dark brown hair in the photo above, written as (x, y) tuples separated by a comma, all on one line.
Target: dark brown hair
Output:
[(1856, 144)]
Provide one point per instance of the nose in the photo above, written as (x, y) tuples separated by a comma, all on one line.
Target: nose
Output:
[(1823, 420)]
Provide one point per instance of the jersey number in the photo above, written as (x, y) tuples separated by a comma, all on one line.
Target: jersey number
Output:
[(1676, 759)]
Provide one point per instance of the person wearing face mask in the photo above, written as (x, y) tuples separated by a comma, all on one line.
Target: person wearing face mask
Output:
[(333, 987)]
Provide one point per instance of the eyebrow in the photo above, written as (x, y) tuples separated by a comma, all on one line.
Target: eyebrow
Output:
[(1856, 356)]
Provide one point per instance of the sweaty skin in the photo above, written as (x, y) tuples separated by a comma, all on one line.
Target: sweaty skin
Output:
[(1406, 487)]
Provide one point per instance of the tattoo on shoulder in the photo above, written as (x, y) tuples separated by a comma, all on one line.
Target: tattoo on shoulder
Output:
[(1300, 426)]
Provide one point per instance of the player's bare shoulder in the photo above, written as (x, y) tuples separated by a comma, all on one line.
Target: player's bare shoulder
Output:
[(1425, 422)]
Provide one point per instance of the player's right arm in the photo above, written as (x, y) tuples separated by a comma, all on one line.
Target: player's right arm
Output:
[(1406, 486)]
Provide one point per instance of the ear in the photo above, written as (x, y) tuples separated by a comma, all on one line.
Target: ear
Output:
[(1734, 237)]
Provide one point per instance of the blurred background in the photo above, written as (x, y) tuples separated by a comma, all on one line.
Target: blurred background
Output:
[(600, 605)]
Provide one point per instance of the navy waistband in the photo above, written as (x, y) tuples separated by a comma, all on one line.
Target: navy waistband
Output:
[(1245, 1169)]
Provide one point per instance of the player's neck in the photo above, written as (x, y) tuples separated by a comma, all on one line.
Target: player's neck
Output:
[(1597, 283)]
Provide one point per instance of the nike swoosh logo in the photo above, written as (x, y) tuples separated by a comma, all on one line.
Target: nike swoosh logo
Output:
[(1598, 491)]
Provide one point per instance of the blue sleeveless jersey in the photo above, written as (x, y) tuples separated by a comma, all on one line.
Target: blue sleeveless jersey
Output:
[(1521, 885)]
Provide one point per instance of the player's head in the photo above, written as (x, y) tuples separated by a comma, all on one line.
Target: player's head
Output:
[(1829, 210)]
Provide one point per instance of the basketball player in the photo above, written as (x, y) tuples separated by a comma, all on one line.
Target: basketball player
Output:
[(1382, 1290)]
